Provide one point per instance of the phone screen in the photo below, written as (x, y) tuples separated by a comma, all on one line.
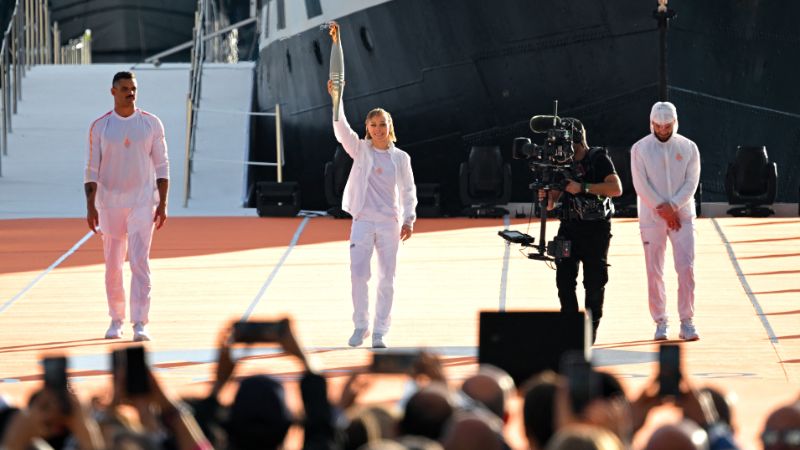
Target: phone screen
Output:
[(117, 358), (669, 372), (399, 362), (582, 380), (55, 378), (136, 374), (55, 373), (251, 332)]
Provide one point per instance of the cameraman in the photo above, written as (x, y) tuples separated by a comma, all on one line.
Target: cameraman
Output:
[(585, 221)]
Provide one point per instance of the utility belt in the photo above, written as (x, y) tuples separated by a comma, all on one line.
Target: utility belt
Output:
[(587, 208)]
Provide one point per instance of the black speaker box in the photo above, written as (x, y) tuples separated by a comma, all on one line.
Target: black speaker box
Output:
[(429, 200), (524, 343), (277, 199)]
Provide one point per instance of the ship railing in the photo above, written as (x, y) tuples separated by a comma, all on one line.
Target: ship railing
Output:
[(227, 42), (30, 40), (222, 49), (77, 51)]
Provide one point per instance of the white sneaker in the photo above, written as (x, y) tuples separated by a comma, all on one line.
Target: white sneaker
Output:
[(688, 331), (359, 334), (114, 330), (140, 333), (662, 328), (377, 341)]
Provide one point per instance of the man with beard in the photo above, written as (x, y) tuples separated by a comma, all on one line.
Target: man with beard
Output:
[(665, 168)]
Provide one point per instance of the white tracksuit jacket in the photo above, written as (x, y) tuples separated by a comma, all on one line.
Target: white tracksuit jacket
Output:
[(667, 172), (356, 188), (125, 157)]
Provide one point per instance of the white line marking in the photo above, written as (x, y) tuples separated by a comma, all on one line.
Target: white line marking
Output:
[(504, 273), (272, 275), (743, 280), (30, 285), (753, 299)]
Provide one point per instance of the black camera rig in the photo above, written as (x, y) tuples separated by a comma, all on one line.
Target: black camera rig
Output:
[(552, 164)]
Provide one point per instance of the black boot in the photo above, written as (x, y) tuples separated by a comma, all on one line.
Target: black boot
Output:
[(595, 324)]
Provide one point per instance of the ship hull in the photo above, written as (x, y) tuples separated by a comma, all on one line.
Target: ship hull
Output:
[(474, 75), (125, 30)]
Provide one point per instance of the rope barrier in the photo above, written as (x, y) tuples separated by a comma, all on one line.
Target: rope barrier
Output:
[(232, 111), (236, 161)]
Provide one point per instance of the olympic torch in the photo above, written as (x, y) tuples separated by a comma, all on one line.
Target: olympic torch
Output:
[(337, 68)]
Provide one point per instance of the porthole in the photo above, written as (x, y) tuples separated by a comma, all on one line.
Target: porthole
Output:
[(366, 39), (318, 52)]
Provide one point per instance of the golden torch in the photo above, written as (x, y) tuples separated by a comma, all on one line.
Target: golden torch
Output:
[(337, 68)]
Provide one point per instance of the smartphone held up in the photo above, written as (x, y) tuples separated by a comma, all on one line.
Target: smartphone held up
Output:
[(259, 331), (669, 370), (131, 364), (55, 378), (582, 380), (393, 362)]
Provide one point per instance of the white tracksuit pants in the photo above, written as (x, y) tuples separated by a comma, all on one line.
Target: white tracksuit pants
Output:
[(384, 237), (128, 230), (654, 240)]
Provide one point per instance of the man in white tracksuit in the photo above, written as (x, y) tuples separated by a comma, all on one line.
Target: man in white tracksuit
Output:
[(665, 167), (381, 196), (126, 182)]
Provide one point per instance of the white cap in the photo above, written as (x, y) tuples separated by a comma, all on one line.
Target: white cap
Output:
[(663, 113)]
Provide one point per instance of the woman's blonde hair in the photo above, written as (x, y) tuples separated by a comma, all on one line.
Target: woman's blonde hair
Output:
[(584, 437), (389, 123)]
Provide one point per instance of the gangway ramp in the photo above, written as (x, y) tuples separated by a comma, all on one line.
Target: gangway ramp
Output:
[(43, 171)]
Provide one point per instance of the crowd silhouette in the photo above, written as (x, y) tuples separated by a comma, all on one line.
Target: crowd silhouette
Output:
[(433, 412)]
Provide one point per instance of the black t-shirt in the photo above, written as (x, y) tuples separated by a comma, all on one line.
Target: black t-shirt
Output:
[(593, 168)]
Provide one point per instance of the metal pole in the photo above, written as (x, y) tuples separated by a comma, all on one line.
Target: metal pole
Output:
[(15, 58), (6, 98), (56, 44), (87, 47), (278, 142), (186, 172), (40, 27), (20, 46), (3, 68), (48, 52), (42, 34), (32, 38), (32, 25), (19, 64), (662, 14), (35, 41), (28, 33)]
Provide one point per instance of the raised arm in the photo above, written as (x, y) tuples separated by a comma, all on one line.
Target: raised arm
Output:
[(344, 134)]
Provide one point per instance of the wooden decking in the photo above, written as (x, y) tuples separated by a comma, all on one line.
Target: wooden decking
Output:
[(209, 271)]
